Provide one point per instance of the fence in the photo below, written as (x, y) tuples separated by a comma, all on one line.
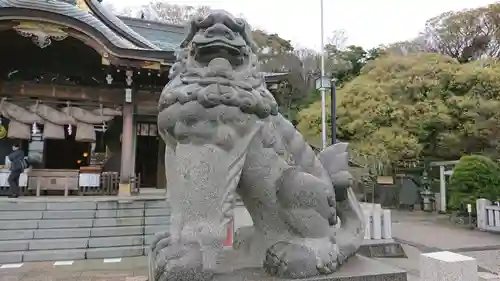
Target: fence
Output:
[(106, 183), (378, 224), (488, 215)]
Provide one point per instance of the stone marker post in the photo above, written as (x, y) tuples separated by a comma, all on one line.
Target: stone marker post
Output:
[(486, 276), (482, 216), (447, 266)]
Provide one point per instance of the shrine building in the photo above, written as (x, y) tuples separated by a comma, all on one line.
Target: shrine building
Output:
[(78, 90)]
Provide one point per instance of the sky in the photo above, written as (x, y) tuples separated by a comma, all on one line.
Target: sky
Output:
[(367, 23)]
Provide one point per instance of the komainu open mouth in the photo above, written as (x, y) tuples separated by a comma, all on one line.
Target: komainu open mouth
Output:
[(205, 53)]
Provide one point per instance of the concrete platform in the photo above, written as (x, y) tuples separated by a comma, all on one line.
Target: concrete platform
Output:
[(382, 248), (358, 268)]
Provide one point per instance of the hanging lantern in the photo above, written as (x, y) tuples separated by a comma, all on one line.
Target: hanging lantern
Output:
[(34, 128), (102, 116), (70, 127)]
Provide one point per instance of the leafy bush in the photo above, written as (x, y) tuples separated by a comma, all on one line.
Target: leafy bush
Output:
[(474, 177)]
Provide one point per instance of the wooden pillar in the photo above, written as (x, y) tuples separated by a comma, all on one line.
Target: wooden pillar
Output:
[(161, 179), (134, 140), (127, 165)]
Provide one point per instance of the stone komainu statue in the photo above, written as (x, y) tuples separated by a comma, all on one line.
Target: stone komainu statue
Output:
[(225, 137)]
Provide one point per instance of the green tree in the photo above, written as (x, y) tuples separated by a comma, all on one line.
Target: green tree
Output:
[(405, 48), (474, 177), (423, 105), (348, 62), (465, 35)]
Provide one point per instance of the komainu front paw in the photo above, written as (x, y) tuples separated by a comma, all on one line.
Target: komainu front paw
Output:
[(179, 262), (302, 258)]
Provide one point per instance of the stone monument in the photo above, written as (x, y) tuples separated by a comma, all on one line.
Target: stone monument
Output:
[(225, 137)]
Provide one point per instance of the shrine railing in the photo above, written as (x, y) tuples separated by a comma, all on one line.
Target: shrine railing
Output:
[(89, 184)]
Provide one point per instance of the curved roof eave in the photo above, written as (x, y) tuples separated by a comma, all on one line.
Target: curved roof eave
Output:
[(71, 11), (114, 23), (116, 45)]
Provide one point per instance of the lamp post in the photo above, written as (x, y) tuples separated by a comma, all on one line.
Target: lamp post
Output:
[(322, 86), (333, 110)]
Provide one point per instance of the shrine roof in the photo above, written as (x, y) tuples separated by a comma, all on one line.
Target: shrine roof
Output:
[(128, 37), (89, 12), (166, 36), (88, 16)]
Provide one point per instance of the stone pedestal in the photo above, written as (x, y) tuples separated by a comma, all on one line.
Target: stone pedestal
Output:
[(358, 268), (447, 266), (383, 248)]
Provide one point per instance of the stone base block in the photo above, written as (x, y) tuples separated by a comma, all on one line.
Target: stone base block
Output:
[(358, 268), (486, 276), (115, 252), (383, 248), (11, 257), (124, 189), (447, 266)]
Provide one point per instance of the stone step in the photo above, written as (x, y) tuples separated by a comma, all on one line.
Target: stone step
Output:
[(116, 231), (82, 223), (120, 241), (71, 254), (73, 243), (59, 244), (78, 238), (82, 214), (115, 222), (17, 225), (80, 204), (115, 252), (49, 230), (87, 232)]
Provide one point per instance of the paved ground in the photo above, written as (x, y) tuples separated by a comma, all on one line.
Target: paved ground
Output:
[(434, 231), (419, 232), (129, 269)]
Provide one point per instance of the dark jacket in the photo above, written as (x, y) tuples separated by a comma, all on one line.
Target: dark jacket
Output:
[(15, 158)]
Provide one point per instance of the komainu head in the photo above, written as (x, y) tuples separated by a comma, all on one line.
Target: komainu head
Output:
[(216, 66), (219, 35)]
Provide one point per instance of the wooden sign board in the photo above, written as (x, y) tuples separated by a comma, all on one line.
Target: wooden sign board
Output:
[(385, 180)]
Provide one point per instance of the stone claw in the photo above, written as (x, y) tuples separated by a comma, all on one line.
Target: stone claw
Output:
[(175, 262), (159, 237), (181, 262), (327, 268), (303, 258)]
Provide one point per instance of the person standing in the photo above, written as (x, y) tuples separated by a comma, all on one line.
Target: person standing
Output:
[(17, 166)]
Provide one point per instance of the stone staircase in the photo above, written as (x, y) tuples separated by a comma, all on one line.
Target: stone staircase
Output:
[(81, 229)]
